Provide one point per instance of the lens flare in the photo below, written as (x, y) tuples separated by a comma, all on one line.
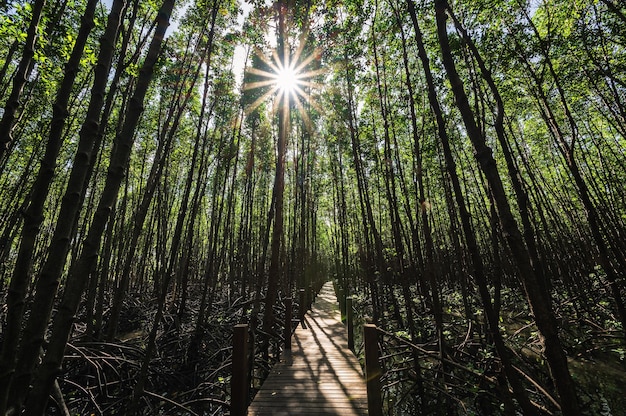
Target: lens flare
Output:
[(289, 78)]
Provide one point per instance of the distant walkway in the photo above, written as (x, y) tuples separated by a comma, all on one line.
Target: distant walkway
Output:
[(320, 376)]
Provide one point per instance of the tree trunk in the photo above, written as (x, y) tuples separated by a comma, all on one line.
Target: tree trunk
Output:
[(276, 268)]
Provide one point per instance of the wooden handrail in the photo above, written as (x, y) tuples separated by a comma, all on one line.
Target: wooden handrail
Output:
[(239, 380), (350, 323), (287, 334), (303, 308), (373, 371)]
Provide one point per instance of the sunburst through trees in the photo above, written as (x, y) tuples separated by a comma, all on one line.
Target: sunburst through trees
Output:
[(290, 78)]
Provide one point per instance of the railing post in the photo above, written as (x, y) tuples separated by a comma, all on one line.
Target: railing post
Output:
[(239, 380), (342, 303), (372, 371), (311, 296), (288, 311), (350, 323), (302, 306)]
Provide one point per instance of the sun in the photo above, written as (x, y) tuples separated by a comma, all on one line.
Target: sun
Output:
[(287, 80)]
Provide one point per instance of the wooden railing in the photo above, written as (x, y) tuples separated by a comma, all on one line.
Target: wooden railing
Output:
[(239, 386), (372, 344), (240, 380), (406, 378), (401, 375), (373, 370)]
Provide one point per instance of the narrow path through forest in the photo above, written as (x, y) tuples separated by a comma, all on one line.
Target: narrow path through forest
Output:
[(320, 375)]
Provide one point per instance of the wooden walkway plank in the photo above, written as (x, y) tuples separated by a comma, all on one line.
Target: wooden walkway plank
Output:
[(320, 375)]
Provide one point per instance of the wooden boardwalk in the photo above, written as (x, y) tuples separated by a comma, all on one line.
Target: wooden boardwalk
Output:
[(320, 376)]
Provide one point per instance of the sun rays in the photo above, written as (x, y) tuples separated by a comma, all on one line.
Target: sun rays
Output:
[(290, 79)]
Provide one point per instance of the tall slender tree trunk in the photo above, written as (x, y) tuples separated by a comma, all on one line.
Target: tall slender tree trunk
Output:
[(3, 71), (180, 100), (374, 265), (275, 268), (390, 189)]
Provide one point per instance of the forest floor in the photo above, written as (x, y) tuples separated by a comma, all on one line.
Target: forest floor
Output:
[(99, 376), (595, 355)]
